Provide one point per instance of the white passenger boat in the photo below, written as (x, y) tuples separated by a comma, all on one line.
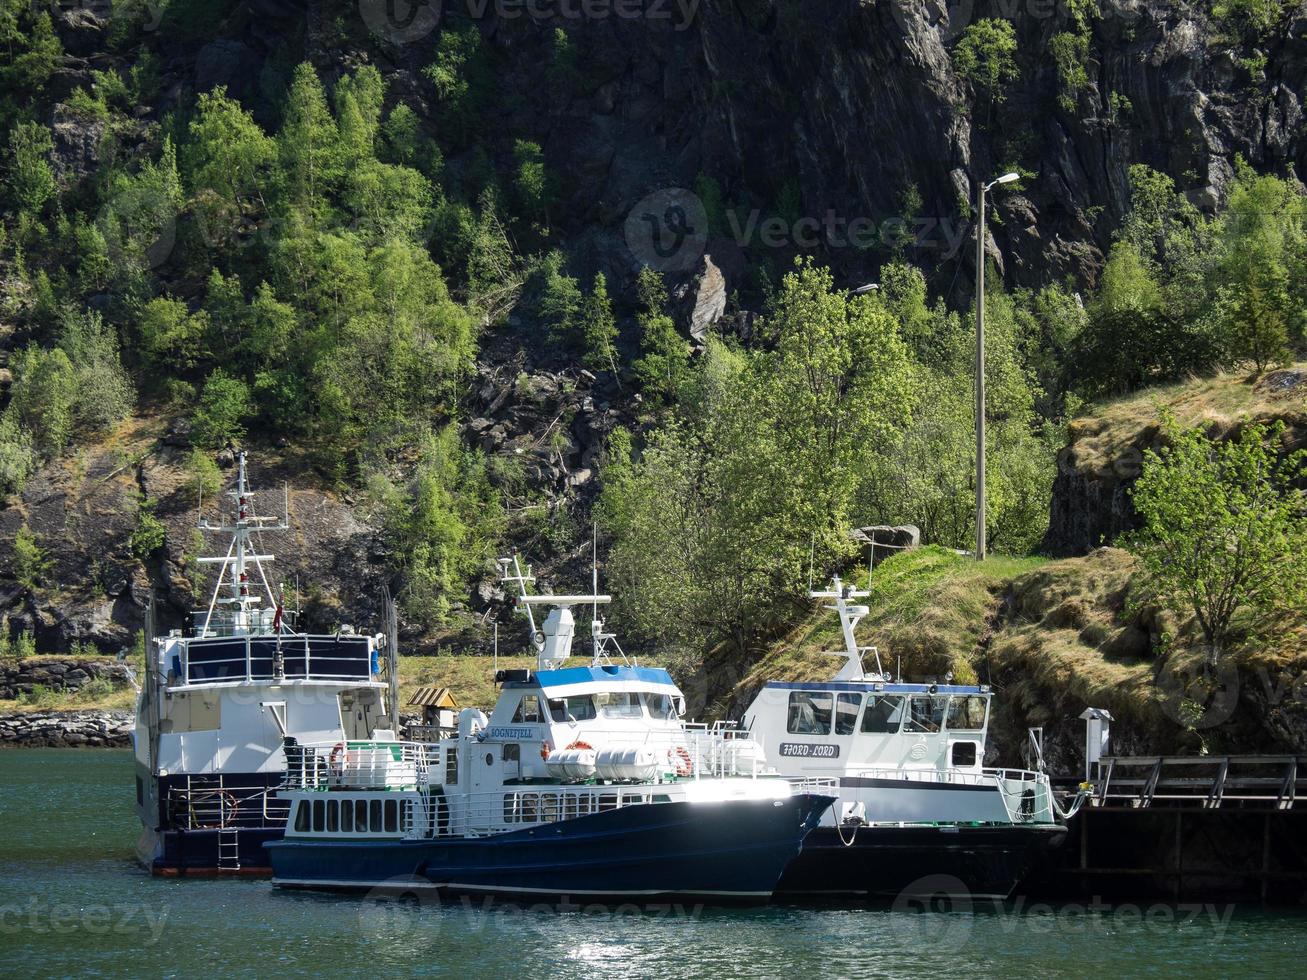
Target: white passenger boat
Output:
[(584, 780), (216, 706), (916, 805)]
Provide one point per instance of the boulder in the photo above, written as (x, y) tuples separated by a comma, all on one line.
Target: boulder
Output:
[(701, 300), (76, 139)]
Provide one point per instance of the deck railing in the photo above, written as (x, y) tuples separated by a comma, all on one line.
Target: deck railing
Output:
[(216, 804)]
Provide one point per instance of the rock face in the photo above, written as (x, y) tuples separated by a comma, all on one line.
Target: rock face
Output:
[(59, 675), (80, 729)]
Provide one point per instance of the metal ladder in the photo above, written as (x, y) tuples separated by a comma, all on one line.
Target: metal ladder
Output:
[(229, 855)]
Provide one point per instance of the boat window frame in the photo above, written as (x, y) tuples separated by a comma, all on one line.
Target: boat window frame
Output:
[(303, 816), (910, 721), (961, 698), (791, 718), (519, 715), (843, 697), (319, 816), (873, 700), (390, 810), (375, 816)]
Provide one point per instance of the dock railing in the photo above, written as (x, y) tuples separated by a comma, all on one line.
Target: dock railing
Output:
[(1274, 782)]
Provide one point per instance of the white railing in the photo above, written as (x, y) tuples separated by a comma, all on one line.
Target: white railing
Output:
[(359, 765), (1011, 784), (224, 806)]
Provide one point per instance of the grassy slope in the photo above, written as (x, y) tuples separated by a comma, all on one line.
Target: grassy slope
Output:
[(929, 611), (1102, 435)]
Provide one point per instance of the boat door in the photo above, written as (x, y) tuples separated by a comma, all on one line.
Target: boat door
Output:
[(360, 713)]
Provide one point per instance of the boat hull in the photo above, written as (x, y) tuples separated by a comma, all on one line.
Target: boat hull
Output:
[(727, 851), (207, 853), (893, 862)]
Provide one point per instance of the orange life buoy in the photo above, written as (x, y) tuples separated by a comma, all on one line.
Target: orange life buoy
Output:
[(680, 760), (545, 749), (336, 754), (578, 744)]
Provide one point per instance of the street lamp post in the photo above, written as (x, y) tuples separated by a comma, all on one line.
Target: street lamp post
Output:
[(980, 363)]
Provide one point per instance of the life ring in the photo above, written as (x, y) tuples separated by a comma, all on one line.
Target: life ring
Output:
[(680, 759), (225, 800), (337, 753), (578, 744)]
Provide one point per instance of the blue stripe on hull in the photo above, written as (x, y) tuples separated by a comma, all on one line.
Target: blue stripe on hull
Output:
[(733, 849)]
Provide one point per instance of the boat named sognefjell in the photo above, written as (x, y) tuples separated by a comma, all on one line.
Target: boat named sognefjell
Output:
[(216, 706), (583, 781), (917, 807)]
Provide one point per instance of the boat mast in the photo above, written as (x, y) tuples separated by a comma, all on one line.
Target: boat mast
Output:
[(239, 557)]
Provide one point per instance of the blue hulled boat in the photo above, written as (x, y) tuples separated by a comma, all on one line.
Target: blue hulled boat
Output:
[(583, 781)]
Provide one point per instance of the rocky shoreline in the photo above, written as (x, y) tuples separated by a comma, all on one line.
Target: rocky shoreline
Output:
[(67, 729)]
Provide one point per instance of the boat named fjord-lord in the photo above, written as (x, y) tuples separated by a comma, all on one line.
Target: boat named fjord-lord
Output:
[(216, 706), (917, 808)]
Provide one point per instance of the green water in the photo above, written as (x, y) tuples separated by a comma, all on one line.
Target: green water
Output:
[(72, 902)]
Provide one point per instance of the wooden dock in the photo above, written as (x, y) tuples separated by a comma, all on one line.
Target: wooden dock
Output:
[(1177, 828)]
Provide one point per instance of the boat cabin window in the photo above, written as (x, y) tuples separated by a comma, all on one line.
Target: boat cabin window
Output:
[(846, 713), (528, 710), (964, 754), (661, 706), (333, 816), (451, 767), (392, 817), (512, 752), (809, 713), (319, 816), (884, 714), (302, 816), (926, 714), (361, 816), (374, 811), (578, 708), (347, 817), (619, 704), (966, 714)]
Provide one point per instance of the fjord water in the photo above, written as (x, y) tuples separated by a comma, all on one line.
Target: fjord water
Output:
[(72, 902)]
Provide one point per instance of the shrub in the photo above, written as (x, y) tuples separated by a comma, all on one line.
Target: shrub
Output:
[(150, 532), (31, 563), (220, 417)]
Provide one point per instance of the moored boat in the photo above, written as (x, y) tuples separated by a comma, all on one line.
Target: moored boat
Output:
[(583, 781), (216, 706), (917, 807)]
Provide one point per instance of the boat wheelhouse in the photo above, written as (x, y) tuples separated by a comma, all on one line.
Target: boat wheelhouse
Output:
[(216, 706), (582, 781), (915, 797)]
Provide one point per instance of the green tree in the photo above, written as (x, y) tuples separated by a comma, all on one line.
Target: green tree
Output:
[(558, 302), (598, 328), (228, 159), (402, 134), (461, 77), (31, 562), (985, 56), (42, 397), (532, 180), (220, 417), (173, 339), (104, 391), (30, 177), (309, 143), (1223, 527), (17, 454)]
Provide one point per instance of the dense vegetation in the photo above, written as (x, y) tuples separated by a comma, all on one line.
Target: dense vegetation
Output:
[(310, 268)]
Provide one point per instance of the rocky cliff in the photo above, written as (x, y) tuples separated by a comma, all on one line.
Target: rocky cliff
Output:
[(822, 112)]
